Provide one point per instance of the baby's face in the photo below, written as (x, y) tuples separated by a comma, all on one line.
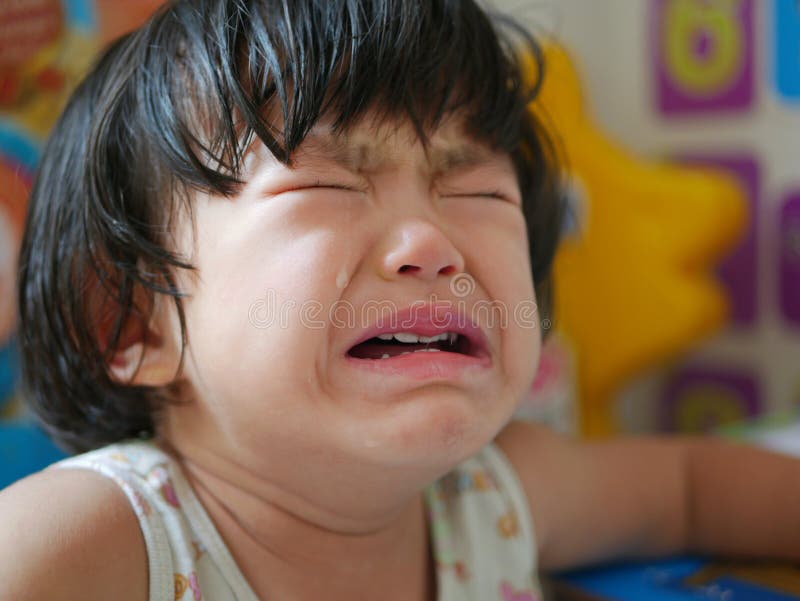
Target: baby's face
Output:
[(366, 235)]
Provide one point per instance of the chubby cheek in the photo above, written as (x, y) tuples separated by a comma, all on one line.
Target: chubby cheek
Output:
[(522, 333), (253, 331), (498, 258), (521, 346)]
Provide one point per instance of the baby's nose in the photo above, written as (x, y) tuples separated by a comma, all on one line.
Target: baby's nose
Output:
[(419, 248)]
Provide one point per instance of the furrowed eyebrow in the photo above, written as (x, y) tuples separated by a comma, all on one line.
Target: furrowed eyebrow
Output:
[(365, 157), (354, 157), (460, 157)]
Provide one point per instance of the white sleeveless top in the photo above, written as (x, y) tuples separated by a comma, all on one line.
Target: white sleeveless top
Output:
[(480, 523)]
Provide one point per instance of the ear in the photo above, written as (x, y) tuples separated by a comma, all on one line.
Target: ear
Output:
[(144, 363), (147, 354)]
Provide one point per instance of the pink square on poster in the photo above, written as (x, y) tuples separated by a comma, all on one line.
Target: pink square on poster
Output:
[(703, 55), (739, 270), (700, 398)]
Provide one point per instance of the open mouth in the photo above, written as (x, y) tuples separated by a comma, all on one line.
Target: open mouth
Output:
[(387, 346)]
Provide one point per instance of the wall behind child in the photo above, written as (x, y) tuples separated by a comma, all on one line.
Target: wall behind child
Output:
[(714, 83)]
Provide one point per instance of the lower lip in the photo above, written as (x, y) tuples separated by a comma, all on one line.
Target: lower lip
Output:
[(423, 365)]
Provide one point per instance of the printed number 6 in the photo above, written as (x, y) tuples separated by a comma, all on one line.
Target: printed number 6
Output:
[(704, 45)]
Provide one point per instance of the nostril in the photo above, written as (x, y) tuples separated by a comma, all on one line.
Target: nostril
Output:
[(408, 269), (449, 270)]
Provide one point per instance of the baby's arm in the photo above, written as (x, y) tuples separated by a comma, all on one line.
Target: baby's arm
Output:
[(70, 535), (642, 497)]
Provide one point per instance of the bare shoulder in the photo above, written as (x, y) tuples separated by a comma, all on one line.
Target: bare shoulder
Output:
[(70, 534)]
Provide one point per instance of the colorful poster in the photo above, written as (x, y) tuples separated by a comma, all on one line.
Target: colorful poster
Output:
[(699, 399), (703, 55), (45, 48), (45, 45)]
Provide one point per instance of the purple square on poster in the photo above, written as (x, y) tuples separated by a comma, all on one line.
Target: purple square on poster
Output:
[(699, 399), (739, 271), (703, 55), (789, 263)]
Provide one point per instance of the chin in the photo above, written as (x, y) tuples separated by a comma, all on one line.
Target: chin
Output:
[(437, 429)]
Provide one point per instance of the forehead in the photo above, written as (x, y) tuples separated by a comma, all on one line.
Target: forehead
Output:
[(371, 146)]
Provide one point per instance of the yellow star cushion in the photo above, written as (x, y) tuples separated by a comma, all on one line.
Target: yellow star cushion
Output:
[(634, 283)]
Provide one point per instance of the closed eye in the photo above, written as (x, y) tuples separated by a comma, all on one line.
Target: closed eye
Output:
[(332, 186), (320, 185), (497, 195)]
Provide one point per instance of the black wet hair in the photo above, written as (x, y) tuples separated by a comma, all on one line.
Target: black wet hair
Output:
[(172, 107)]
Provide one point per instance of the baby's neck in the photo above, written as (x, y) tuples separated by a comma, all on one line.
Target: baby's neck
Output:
[(289, 549)]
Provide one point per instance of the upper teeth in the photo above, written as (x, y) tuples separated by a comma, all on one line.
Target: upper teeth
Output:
[(408, 337)]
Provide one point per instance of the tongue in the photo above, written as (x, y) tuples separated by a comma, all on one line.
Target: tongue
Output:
[(376, 350)]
